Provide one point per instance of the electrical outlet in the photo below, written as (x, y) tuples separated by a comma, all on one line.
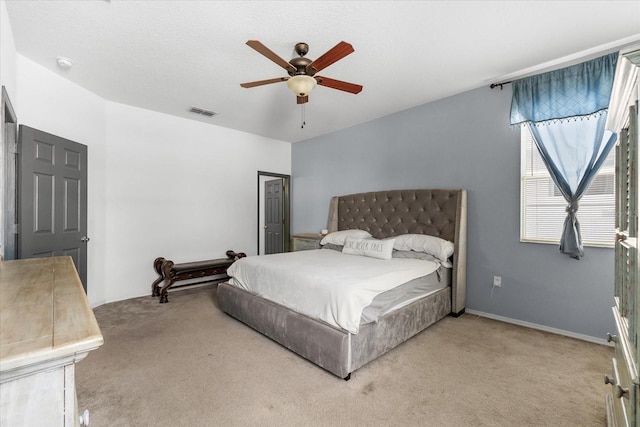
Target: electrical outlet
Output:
[(497, 281)]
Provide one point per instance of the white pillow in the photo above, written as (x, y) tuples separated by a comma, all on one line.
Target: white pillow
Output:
[(439, 248), (373, 248), (337, 237)]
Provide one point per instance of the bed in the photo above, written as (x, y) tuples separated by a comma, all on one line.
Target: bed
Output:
[(383, 215)]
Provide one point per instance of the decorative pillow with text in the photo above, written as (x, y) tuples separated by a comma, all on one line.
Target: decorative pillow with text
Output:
[(373, 248)]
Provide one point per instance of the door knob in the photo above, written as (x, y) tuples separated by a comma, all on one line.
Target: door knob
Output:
[(621, 392), (265, 227), (84, 239)]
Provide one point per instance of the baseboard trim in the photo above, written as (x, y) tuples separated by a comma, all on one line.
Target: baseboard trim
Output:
[(556, 331), (98, 304)]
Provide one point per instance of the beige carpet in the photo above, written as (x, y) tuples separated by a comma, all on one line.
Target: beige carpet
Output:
[(186, 363)]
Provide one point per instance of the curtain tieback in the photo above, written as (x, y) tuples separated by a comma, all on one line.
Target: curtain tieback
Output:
[(572, 208)]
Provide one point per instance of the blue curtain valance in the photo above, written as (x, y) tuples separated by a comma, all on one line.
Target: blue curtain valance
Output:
[(572, 149), (574, 92)]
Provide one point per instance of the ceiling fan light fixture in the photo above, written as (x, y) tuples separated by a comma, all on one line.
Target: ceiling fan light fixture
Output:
[(301, 85)]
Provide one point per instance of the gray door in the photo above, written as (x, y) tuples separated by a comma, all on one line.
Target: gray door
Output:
[(53, 198), (273, 220)]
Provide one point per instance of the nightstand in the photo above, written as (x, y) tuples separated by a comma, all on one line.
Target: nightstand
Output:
[(305, 241)]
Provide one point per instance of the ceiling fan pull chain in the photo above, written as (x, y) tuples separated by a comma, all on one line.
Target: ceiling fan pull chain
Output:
[(303, 118)]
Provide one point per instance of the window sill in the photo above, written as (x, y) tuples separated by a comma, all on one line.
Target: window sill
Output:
[(557, 242)]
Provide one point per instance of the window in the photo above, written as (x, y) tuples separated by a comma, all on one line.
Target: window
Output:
[(542, 211)]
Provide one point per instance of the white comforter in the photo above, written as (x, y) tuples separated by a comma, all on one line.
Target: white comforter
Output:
[(325, 284)]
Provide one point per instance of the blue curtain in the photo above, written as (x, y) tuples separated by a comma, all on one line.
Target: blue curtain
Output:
[(566, 112)]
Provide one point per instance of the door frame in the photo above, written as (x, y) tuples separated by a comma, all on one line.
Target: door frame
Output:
[(8, 179), (286, 226)]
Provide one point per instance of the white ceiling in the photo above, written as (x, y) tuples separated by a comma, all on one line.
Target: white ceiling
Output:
[(167, 56)]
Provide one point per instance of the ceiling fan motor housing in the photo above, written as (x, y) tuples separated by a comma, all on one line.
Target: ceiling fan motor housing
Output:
[(300, 63), (301, 67)]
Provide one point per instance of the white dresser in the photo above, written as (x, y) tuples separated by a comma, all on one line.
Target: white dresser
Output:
[(46, 326), (623, 403)]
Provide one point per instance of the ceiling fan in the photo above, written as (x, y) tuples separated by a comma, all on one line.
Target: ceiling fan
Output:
[(302, 71)]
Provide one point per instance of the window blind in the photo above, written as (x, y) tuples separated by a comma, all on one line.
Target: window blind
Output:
[(543, 207)]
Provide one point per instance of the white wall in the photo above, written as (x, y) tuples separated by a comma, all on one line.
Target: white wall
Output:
[(51, 103), (158, 185), (7, 54), (181, 189)]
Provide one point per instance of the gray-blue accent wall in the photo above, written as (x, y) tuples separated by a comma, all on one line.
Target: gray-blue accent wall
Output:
[(464, 141)]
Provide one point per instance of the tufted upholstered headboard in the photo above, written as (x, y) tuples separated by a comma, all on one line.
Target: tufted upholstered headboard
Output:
[(441, 213)]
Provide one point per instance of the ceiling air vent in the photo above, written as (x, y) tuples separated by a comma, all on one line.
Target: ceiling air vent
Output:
[(202, 111)]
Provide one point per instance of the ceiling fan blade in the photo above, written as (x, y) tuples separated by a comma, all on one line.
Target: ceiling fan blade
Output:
[(302, 99), (262, 49), (264, 82), (334, 54), (338, 84)]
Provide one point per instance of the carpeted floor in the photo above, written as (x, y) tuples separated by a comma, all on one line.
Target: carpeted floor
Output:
[(186, 363)]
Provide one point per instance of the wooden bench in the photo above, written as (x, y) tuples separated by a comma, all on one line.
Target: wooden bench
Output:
[(171, 273)]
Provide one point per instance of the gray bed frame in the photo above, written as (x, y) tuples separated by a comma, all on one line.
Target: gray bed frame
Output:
[(441, 213)]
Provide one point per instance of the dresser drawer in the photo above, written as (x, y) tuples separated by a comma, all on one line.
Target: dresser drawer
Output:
[(621, 403), (617, 402)]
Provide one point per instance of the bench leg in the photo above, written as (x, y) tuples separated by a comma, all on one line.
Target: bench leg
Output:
[(165, 290), (155, 287), (165, 269)]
